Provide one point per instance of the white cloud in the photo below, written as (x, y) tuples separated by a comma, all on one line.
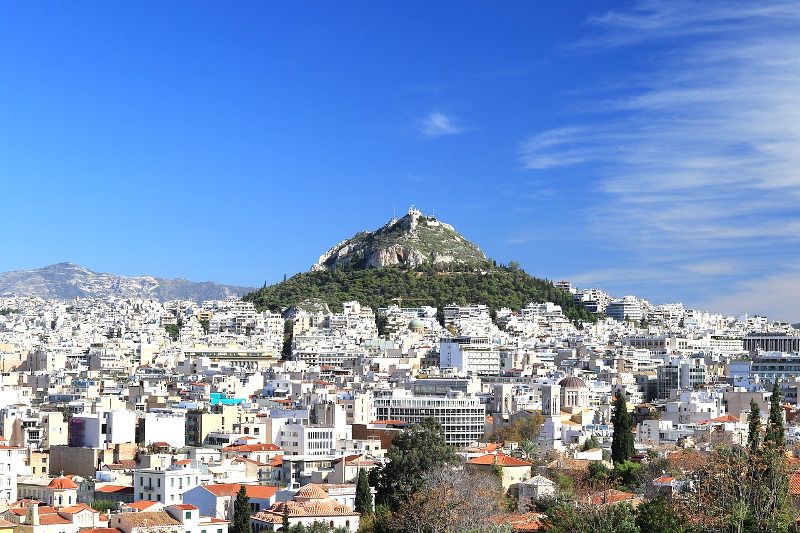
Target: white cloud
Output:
[(697, 155), (775, 296), (437, 124)]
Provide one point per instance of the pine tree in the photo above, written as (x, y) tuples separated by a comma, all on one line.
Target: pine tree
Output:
[(363, 503), (622, 446), (754, 424), (241, 512)]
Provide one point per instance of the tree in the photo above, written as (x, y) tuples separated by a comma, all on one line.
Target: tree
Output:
[(285, 521), (754, 426), (103, 506), (452, 499), (205, 324), (529, 449), (622, 446), (656, 516), (414, 451), (590, 444), (599, 471), (241, 512), (288, 336), (523, 429), (363, 502), (377, 522), (775, 434), (617, 518)]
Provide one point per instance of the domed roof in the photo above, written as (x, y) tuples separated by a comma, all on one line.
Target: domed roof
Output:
[(312, 491), (62, 483), (416, 324), (572, 382)]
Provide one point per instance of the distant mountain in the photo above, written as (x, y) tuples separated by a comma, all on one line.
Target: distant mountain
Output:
[(413, 261), (412, 241), (67, 280)]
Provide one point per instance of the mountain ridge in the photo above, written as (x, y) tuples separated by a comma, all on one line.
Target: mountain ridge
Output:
[(68, 280)]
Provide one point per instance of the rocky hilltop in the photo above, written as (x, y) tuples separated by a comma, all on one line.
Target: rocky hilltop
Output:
[(68, 280), (391, 265), (413, 240)]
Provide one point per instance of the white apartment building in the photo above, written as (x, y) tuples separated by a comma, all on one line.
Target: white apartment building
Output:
[(12, 463), (628, 308), (165, 427), (470, 355), (96, 430), (461, 417), (692, 407), (453, 313), (168, 485), (297, 439)]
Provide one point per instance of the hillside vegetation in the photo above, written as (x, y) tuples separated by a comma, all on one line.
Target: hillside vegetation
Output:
[(495, 286)]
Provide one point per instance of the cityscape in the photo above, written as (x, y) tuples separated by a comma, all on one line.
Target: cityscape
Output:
[(400, 267)]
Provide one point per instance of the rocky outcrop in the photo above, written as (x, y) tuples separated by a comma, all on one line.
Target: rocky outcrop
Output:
[(412, 240)]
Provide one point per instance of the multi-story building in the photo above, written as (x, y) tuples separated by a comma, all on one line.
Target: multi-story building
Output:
[(628, 308), (680, 374), (470, 355), (12, 463), (168, 485), (772, 342), (461, 417)]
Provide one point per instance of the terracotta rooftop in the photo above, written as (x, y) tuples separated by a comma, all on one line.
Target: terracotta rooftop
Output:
[(147, 519), (260, 492), (499, 459), (62, 483)]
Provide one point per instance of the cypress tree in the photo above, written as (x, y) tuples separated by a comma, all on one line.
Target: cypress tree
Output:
[(363, 503), (241, 512), (285, 524), (754, 426), (775, 431), (622, 445)]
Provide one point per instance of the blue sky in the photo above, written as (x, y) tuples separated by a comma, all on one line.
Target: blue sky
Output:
[(650, 148)]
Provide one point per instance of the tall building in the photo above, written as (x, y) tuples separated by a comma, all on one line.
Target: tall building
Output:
[(470, 355), (462, 417)]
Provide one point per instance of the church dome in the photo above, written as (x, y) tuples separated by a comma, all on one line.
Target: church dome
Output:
[(572, 382), (62, 483), (416, 325)]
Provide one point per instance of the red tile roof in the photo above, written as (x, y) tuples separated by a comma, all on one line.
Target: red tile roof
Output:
[(794, 484), (113, 489), (499, 459), (253, 491), (141, 505), (62, 483)]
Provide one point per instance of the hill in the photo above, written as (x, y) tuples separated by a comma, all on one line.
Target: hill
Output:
[(495, 286), (413, 240), (416, 260), (67, 280)]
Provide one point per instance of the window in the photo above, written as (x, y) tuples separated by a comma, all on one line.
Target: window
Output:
[(188, 515)]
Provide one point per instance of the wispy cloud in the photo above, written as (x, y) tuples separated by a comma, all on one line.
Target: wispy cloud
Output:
[(700, 149), (437, 124), (774, 295)]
